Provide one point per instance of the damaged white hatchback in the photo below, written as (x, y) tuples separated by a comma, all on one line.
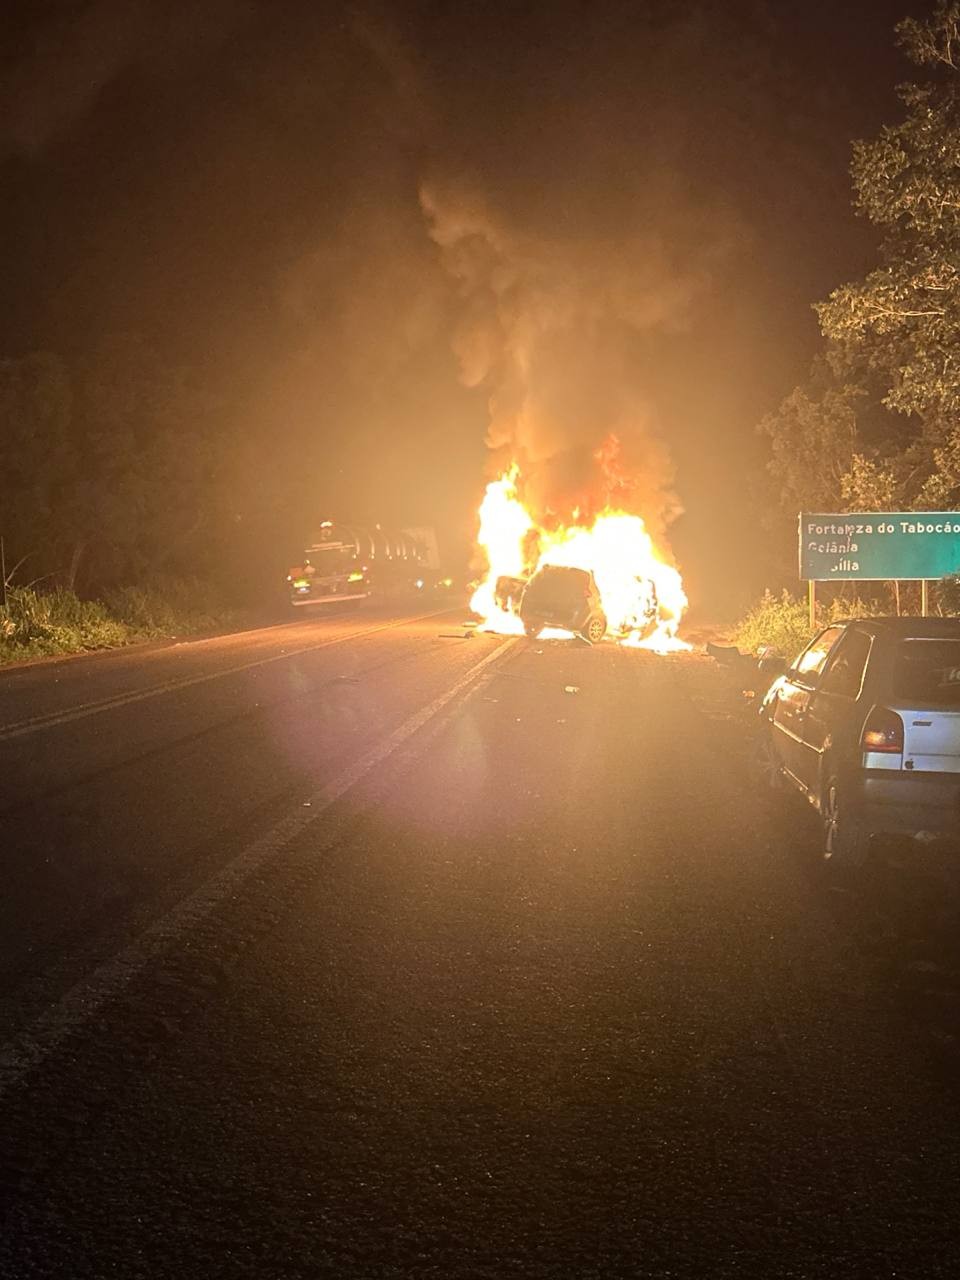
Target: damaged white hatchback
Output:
[(866, 724)]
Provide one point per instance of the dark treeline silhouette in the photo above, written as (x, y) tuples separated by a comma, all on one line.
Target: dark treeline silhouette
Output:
[(114, 469)]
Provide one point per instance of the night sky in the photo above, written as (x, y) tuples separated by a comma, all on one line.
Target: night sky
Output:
[(394, 234)]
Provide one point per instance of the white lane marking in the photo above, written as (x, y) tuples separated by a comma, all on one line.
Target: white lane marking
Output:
[(32, 1047), (18, 728)]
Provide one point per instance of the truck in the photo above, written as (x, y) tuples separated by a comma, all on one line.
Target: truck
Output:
[(355, 562)]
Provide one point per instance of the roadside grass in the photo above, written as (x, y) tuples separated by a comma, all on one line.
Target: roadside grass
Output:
[(782, 623), (35, 624), (172, 606)]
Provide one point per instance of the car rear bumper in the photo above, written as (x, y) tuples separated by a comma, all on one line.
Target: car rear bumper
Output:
[(910, 803)]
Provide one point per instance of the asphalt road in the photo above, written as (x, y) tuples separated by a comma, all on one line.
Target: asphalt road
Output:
[(370, 948)]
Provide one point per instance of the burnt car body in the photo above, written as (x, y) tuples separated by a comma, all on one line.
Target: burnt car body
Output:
[(645, 612), (565, 598), (866, 724), (508, 592)]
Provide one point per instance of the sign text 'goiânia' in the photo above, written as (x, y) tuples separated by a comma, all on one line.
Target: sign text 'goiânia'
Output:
[(879, 545)]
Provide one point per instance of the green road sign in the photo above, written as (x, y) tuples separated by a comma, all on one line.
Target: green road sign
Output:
[(879, 545)]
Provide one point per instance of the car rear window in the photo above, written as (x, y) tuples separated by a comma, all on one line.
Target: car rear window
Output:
[(927, 671), (551, 586)]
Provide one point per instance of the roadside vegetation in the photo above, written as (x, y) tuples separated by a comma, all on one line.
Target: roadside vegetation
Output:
[(778, 622), (115, 470), (35, 623), (875, 426), (782, 622)]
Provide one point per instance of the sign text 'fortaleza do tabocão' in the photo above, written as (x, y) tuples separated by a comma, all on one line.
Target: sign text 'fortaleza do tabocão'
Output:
[(879, 545)]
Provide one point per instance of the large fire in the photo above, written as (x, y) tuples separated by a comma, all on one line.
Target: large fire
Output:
[(642, 596)]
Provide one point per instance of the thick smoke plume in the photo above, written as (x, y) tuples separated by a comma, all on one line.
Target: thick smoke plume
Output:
[(557, 331), (73, 53), (307, 200)]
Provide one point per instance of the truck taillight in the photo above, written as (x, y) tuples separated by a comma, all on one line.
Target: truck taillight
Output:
[(883, 732)]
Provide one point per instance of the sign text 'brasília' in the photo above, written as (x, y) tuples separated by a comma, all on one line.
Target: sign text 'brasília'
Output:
[(879, 545)]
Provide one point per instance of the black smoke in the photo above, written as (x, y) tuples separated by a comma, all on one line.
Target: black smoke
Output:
[(404, 240)]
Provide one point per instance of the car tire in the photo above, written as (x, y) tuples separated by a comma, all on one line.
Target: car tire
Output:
[(845, 843), (595, 629)]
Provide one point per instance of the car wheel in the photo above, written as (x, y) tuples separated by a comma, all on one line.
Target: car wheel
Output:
[(532, 629), (596, 628), (764, 763), (845, 842)]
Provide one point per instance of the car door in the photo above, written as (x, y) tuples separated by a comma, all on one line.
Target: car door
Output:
[(828, 725), (792, 699)]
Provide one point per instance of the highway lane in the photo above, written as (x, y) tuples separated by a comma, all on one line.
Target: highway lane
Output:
[(105, 816), (48, 693), (544, 990)]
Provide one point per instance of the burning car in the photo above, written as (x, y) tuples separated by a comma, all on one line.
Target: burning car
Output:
[(628, 584), (507, 593), (566, 598), (642, 613)]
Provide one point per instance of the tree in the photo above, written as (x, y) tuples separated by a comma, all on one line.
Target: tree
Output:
[(38, 463), (813, 435), (108, 468), (901, 324), (869, 485), (147, 438), (877, 424)]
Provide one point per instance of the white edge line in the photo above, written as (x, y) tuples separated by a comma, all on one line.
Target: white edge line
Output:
[(84, 1000), (19, 728)]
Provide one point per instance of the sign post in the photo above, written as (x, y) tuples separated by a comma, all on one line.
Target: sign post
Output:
[(879, 546)]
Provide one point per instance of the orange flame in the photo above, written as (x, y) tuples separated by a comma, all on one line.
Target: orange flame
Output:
[(643, 596)]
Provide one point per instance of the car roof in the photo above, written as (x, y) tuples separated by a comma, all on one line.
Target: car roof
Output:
[(906, 627)]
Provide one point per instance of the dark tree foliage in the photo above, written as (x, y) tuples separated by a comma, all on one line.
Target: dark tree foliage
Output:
[(894, 336), (39, 464), (813, 435), (107, 467), (948, 593)]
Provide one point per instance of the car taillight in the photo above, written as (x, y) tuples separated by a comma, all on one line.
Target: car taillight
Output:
[(883, 731)]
